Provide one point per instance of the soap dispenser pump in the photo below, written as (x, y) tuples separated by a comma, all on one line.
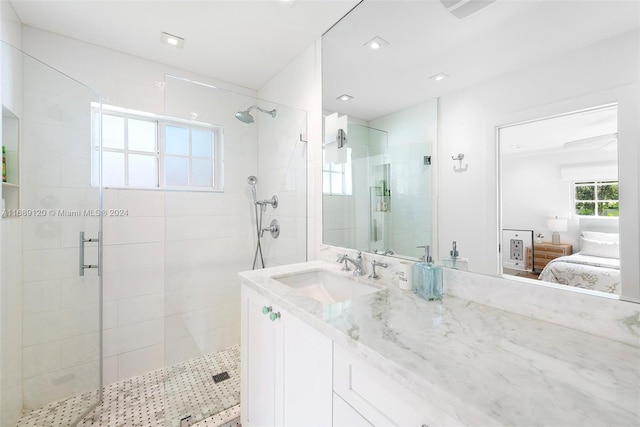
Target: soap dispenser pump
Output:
[(427, 277)]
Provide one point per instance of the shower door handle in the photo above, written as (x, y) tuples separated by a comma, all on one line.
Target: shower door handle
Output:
[(81, 257)]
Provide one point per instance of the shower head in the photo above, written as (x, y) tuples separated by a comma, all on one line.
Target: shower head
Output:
[(246, 117)]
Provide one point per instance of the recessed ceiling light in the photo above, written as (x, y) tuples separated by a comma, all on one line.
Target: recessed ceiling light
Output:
[(439, 77), (376, 43), (172, 40), (344, 97)]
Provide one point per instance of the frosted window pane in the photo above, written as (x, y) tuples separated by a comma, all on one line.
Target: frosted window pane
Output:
[(142, 171), (176, 171), (201, 173), (326, 182), (112, 131), (142, 135), (201, 143), (112, 169), (336, 183), (176, 140)]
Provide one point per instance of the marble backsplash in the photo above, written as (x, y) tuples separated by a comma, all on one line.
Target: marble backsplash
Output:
[(598, 315)]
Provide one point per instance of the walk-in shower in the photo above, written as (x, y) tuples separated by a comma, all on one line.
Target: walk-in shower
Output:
[(246, 117), (274, 227), (171, 353)]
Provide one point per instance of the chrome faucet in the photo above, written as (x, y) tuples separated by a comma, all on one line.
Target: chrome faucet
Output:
[(375, 263), (357, 263), (386, 252)]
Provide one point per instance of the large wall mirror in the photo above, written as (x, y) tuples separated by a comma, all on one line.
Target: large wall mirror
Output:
[(439, 79)]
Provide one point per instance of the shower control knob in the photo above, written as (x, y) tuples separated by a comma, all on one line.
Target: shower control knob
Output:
[(274, 316), (266, 310)]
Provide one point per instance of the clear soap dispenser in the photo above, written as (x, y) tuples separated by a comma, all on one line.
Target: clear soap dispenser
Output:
[(427, 278)]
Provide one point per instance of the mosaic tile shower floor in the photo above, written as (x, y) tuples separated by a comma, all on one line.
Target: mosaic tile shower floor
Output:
[(140, 401)]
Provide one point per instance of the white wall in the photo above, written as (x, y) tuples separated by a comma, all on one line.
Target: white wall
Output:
[(11, 238), (299, 85), (590, 76), (338, 219)]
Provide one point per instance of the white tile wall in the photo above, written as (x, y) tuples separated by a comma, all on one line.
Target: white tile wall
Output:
[(139, 361), (60, 309), (11, 242)]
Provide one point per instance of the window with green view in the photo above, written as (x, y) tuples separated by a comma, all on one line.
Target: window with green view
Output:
[(596, 199)]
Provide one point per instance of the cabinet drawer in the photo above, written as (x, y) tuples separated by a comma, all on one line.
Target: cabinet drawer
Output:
[(378, 398), (547, 255), (550, 252)]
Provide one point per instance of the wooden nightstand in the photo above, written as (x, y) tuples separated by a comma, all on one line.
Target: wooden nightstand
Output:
[(545, 252)]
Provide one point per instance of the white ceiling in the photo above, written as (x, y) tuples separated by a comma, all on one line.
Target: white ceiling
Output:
[(585, 130), (425, 39), (247, 42), (243, 42)]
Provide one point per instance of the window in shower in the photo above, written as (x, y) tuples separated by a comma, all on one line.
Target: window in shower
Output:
[(336, 177), (143, 150)]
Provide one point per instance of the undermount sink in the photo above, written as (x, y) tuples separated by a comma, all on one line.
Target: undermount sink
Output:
[(325, 287)]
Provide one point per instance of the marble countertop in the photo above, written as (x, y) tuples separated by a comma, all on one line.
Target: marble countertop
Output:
[(482, 365)]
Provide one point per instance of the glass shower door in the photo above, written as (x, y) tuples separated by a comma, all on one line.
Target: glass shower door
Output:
[(58, 211), (212, 235)]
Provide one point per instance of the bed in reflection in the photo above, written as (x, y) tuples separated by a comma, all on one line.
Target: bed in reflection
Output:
[(595, 267)]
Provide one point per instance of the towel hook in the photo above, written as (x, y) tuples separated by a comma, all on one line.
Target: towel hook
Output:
[(459, 158)]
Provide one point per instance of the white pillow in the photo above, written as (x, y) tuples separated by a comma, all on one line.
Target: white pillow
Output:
[(601, 249), (601, 237)]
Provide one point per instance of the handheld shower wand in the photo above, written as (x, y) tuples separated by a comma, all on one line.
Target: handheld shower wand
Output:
[(274, 228), (253, 181)]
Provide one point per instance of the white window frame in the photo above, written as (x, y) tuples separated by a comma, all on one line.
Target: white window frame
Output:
[(332, 170), (160, 121), (596, 200)]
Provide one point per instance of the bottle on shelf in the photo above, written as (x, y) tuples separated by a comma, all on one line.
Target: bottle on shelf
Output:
[(4, 164)]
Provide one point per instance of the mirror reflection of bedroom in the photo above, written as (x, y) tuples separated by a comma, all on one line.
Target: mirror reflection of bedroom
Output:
[(559, 199)]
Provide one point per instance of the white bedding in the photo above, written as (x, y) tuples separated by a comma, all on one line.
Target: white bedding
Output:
[(582, 271)]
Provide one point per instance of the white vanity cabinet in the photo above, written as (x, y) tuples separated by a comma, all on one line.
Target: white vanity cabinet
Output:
[(376, 399), (286, 367)]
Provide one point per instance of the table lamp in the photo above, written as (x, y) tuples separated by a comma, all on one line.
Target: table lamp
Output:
[(556, 225)]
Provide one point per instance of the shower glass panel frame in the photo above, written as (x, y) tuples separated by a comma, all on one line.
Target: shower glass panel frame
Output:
[(362, 216), (46, 294), (211, 236)]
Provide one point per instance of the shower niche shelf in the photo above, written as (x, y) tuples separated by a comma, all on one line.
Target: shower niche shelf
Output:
[(10, 142)]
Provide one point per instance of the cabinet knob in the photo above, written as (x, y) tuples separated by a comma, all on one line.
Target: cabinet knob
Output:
[(274, 316), (266, 309)]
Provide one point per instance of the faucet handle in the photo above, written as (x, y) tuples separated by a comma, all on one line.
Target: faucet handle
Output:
[(343, 257), (375, 264)]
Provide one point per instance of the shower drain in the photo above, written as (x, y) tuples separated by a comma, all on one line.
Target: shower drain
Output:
[(221, 377)]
